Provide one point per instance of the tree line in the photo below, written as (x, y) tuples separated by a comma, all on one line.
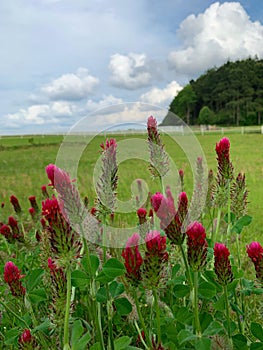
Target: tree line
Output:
[(229, 95)]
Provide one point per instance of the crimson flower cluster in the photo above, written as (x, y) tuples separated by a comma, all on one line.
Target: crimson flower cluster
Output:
[(15, 203), (12, 277), (225, 167), (172, 221), (222, 264), (26, 337), (196, 246), (11, 231), (133, 259), (255, 253)]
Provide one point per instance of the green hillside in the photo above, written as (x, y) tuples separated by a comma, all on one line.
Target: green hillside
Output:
[(229, 95)]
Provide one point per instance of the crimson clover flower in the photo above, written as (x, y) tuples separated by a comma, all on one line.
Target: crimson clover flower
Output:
[(33, 202), (255, 253), (68, 195), (155, 257), (12, 277), (142, 213), (172, 221), (222, 264), (15, 203), (133, 259), (25, 337), (106, 186), (181, 179), (64, 241), (225, 167), (196, 246), (6, 232), (44, 191), (159, 161)]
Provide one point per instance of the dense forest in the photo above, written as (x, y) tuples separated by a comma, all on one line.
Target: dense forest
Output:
[(229, 95)]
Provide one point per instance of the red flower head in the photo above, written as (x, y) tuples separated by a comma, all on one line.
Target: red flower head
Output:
[(15, 203), (12, 277), (225, 167), (5, 231), (25, 337), (32, 212), (15, 229), (222, 264), (142, 213), (156, 244), (33, 202), (163, 207), (196, 246), (44, 191), (255, 252), (50, 170), (133, 259)]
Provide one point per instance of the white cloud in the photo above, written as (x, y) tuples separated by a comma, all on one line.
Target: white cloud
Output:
[(71, 86), (130, 72), (222, 32), (40, 114), (106, 101), (157, 96)]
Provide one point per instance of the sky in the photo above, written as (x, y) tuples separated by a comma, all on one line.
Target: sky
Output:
[(65, 60)]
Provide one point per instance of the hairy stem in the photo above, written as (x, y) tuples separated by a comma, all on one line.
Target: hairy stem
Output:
[(158, 320), (196, 308)]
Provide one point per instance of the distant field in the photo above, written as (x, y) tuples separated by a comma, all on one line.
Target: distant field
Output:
[(23, 162)]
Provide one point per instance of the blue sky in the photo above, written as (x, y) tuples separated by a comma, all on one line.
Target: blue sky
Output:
[(61, 60)]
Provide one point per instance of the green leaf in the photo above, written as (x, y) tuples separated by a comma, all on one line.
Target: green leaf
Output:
[(122, 343), (256, 330), (12, 336), (213, 328), (101, 295), (83, 341), (102, 278), (183, 315), (43, 327), (113, 268), (219, 305), (185, 335), (240, 342), (242, 222), (181, 290), (232, 218), (79, 278), (77, 331), (175, 269), (116, 289), (95, 263), (205, 320), (96, 346), (123, 306), (203, 344), (206, 290), (37, 296), (33, 279)]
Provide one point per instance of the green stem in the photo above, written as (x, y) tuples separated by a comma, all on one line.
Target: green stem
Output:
[(67, 309), (238, 316), (228, 213), (140, 335), (215, 234), (109, 312), (158, 320), (227, 311), (196, 308), (186, 267), (148, 341)]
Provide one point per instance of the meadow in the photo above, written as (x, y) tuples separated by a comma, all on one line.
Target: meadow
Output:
[(23, 161), (167, 288)]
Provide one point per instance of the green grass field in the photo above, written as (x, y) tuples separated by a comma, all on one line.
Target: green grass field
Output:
[(23, 161)]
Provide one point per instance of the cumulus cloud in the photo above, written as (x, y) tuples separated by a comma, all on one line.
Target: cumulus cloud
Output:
[(40, 114), (106, 101), (129, 72), (163, 97), (71, 86), (222, 32)]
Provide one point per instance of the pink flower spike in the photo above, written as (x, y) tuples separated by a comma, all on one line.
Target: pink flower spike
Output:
[(255, 253), (50, 170), (15, 203), (12, 277), (133, 240), (196, 246), (222, 264), (155, 243), (133, 259)]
